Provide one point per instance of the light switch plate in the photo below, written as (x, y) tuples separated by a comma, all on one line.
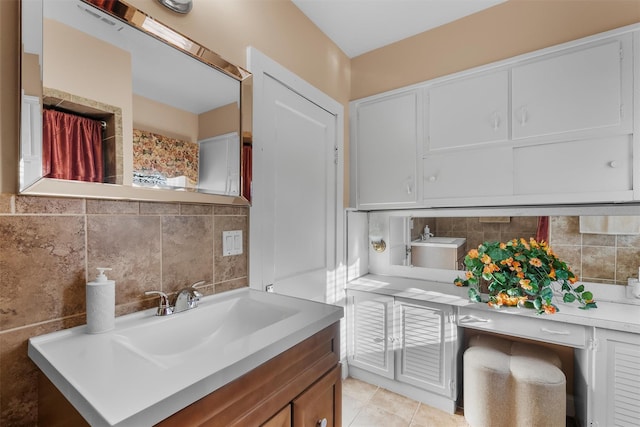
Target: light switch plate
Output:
[(231, 242)]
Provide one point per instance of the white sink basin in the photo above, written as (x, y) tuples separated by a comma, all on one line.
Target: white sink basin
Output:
[(150, 367), (444, 241), (219, 324)]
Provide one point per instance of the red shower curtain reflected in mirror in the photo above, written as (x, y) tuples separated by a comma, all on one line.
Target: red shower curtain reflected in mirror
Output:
[(71, 147)]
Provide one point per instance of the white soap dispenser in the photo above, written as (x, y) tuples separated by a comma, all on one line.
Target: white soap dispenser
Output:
[(101, 303)]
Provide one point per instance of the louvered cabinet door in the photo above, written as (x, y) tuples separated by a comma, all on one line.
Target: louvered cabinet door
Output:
[(371, 326), (425, 336), (617, 382)]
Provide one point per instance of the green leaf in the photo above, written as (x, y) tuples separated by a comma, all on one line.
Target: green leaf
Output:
[(580, 288), (568, 298), (537, 303), (562, 274), (473, 295), (587, 296)]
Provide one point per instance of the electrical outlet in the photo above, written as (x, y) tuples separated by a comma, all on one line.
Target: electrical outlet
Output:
[(231, 242)]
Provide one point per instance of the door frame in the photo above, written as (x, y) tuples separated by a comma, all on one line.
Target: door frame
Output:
[(260, 65)]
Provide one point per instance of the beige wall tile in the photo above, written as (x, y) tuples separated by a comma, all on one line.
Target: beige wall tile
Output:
[(598, 240), (598, 262), (194, 209), (230, 285), (234, 266), (572, 256), (42, 262), (187, 251), (6, 202), (49, 205), (628, 241), (19, 385), (152, 208), (130, 246), (564, 230), (113, 207), (230, 210), (627, 263)]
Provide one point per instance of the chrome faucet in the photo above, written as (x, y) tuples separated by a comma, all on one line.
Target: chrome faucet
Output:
[(186, 299)]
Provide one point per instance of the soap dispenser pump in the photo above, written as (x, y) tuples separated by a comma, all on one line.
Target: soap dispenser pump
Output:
[(101, 303)]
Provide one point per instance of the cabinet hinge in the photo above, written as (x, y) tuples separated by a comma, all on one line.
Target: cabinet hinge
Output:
[(621, 54), (335, 155), (452, 385), (594, 344), (621, 111), (451, 318)]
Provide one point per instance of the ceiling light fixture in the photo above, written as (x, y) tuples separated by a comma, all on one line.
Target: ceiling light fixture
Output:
[(180, 6)]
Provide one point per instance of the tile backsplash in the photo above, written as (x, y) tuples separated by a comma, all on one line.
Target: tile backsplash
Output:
[(50, 247)]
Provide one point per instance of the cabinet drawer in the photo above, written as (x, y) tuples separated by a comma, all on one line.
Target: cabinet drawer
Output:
[(524, 326), (605, 165)]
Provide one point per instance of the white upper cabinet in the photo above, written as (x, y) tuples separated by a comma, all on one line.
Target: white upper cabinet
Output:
[(555, 126), (579, 92), (468, 111), (388, 145)]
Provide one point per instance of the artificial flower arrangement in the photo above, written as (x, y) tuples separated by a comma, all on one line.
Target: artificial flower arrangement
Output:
[(520, 273)]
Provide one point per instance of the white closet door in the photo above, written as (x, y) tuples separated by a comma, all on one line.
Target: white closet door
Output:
[(300, 221)]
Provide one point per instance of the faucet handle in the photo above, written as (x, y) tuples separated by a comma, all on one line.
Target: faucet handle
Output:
[(164, 308), (198, 284)]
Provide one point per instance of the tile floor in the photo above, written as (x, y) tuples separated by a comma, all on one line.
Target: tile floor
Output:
[(366, 405)]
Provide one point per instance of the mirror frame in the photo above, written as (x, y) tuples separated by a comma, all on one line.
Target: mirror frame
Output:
[(134, 17)]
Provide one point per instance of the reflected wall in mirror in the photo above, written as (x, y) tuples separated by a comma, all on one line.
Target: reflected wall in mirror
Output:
[(129, 101), (594, 257)]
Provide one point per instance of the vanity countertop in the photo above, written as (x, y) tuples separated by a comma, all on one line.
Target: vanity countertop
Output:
[(609, 315), (112, 381)]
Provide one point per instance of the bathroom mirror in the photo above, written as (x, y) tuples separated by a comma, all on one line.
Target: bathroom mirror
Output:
[(594, 256), (118, 105)]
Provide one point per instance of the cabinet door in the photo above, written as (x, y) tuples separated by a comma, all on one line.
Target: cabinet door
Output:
[(386, 141), (320, 404), (468, 112), (371, 323), (425, 334), (281, 419), (568, 94), (604, 166), (617, 379), (473, 174)]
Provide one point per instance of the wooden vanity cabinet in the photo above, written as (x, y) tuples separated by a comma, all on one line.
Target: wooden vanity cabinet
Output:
[(299, 387)]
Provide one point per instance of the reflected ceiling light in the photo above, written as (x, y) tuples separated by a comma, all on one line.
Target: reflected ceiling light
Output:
[(180, 6), (166, 33)]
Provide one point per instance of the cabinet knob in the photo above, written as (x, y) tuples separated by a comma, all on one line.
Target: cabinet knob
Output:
[(613, 164), (322, 423)]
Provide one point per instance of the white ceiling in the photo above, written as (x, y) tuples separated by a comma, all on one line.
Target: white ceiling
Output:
[(359, 26)]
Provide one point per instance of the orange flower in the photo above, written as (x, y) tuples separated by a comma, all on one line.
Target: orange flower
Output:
[(533, 243), (507, 261), (486, 259), (490, 268), (535, 262), (458, 282), (503, 246), (526, 284), (552, 273), (524, 243), (473, 253), (520, 275), (573, 280), (469, 274), (549, 309)]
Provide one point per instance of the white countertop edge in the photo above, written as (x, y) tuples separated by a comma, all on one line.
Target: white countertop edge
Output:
[(608, 315), (186, 396)]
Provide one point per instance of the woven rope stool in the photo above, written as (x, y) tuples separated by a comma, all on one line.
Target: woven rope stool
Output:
[(512, 384)]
